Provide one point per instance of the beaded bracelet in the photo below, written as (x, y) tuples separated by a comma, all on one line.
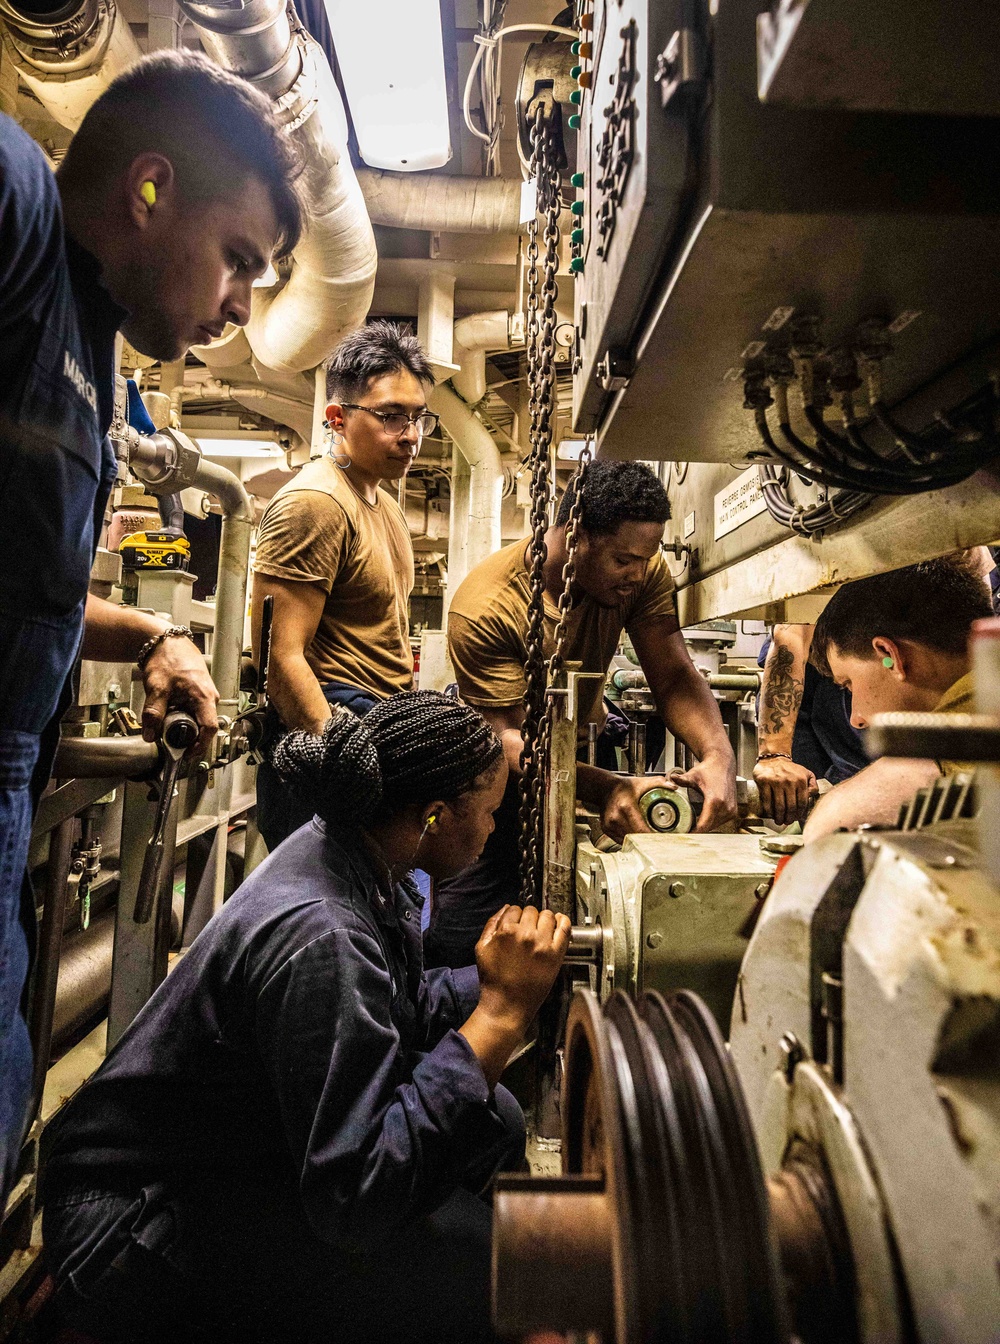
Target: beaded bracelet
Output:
[(151, 645), (774, 756)]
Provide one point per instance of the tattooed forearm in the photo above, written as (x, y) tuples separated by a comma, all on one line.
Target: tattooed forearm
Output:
[(781, 694)]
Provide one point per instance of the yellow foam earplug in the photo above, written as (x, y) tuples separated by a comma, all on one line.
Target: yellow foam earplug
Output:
[(148, 193)]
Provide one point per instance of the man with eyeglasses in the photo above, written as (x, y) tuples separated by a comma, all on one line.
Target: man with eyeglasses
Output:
[(334, 552)]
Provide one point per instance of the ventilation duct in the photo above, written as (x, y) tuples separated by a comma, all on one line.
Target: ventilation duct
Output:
[(442, 204), (474, 335), (475, 443), (68, 55), (329, 290)]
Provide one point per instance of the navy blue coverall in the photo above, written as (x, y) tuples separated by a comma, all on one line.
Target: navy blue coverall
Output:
[(290, 1140), (57, 337)]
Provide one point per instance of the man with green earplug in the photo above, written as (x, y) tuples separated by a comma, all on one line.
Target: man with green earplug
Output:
[(897, 641)]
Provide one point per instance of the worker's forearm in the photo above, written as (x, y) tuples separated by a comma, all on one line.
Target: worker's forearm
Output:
[(493, 1041), (781, 694), (692, 713), (115, 634), (296, 693), (872, 797)]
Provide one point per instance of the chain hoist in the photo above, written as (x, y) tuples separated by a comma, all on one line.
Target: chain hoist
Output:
[(540, 325)]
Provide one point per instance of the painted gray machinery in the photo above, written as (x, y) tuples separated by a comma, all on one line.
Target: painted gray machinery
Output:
[(833, 1174)]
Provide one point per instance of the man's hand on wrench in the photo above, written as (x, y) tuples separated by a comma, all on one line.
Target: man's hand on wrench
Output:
[(175, 674)]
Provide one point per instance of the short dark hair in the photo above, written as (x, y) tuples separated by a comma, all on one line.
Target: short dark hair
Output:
[(216, 129), (933, 603), (372, 351), (616, 493), (409, 750)]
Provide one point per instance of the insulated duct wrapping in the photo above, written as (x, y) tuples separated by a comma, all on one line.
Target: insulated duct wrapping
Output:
[(474, 335), (476, 445), (442, 204), (329, 290), (332, 280), (67, 60)]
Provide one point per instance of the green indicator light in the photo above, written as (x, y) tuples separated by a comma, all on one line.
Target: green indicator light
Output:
[(575, 121), (575, 72), (576, 207), (576, 236), (576, 266), (576, 96), (576, 180), (575, 48)]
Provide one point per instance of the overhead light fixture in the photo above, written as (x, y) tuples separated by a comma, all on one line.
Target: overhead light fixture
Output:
[(571, 450), (236, 443), (391, 59)]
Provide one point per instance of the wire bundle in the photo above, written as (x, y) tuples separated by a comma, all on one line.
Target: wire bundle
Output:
[(848, 462)]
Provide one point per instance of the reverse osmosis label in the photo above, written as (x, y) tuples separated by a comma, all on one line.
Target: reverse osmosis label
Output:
[(738, 503)]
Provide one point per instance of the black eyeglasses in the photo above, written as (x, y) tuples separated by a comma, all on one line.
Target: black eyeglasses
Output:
[(397, 422)]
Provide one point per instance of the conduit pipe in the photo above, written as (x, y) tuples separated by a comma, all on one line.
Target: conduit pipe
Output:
[(67, 60), (295, 327), (170, 461), (111, 758), (475, 443), (474, 335), (441, 204)]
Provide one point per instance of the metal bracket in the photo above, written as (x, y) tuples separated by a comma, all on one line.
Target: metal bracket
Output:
[(615, 370), (679, 64)]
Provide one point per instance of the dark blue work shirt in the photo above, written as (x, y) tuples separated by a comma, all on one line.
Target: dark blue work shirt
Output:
[(299, 1034), (57, 341), (824, 740)]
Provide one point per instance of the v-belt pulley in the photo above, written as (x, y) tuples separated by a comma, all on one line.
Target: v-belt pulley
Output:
[(661, 1229)]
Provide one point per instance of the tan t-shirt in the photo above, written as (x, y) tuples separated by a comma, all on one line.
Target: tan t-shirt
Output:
[(959, 698), (488, 621), (317, 529)]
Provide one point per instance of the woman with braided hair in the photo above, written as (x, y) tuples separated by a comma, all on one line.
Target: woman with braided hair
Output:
[(290, 1141)]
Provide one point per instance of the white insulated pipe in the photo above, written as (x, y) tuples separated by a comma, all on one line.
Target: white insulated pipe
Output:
[(329, 291), (442, 204), (473, 336), (475, 443), (67, 64)]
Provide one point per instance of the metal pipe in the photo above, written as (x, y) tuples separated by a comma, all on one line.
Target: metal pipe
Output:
[(84, 976), (734, 681), (43, 998), (105, 758), (476, 445), (68, 58), (167, 461), (231, 585), (441, 204)]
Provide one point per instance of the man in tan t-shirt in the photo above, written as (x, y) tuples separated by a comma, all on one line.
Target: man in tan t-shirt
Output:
[(334, 552), (622, 583)]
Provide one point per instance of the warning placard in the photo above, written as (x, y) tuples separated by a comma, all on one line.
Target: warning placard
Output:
[(738, 503)]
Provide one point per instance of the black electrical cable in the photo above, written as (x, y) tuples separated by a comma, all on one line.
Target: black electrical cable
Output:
[(836, 443), (872, 482)]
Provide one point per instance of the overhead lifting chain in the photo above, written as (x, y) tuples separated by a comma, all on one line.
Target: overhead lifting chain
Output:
[(540, 325)]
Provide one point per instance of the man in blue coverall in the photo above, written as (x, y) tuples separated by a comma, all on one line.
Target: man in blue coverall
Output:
[(174, 194)]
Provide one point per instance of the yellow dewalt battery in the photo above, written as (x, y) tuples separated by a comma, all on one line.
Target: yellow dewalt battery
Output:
[(155, 550)]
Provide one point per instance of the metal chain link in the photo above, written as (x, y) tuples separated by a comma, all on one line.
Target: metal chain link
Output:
[(540, 328)]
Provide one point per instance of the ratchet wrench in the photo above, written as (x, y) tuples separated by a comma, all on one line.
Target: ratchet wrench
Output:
[(180, 732)]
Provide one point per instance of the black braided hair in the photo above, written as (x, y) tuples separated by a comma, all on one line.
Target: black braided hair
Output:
[(410, 749)]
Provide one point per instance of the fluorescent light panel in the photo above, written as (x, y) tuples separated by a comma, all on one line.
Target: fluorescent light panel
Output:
[(391, 58), (219, 444)]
